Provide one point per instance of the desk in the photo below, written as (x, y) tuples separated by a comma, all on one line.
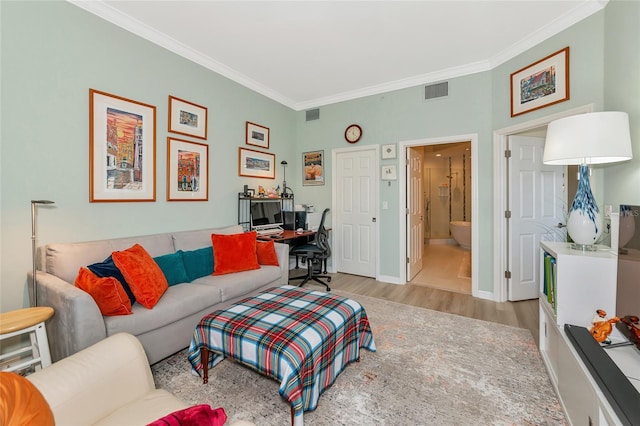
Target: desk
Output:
[(287, 236)]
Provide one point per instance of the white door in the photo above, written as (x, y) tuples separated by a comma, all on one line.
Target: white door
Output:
[(537, 201), (356, 212), (415, 214)]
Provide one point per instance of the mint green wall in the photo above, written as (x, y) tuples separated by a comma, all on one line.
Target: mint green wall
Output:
[(622, 93), (52, 53), (399, 116)]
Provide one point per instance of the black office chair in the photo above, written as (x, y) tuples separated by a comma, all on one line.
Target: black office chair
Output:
[(315, 255)]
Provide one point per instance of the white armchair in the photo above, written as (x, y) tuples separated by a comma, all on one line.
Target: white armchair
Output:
[(108, 383)]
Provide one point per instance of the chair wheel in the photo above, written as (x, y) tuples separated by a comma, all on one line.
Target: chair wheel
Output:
[(329, 279)]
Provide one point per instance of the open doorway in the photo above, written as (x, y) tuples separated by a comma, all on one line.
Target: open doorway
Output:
[(456, 180), (445, 209)]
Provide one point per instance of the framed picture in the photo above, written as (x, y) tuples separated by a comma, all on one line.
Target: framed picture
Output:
[(313, 166), (187, 118), (187, 170), (256, 164), (543, 83), (389, 172), (122, 149), (257, 135), (389, 151)]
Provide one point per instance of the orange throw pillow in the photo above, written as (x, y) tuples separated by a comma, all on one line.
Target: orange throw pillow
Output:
[(142, 273), (266, 252), (234, 253), (21, 403), (107, 292)]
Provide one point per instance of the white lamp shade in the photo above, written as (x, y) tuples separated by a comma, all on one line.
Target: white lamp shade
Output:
[(593, 138)]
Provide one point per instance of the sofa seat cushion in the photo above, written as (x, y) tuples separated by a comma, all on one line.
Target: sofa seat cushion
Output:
[(150, 407), (178, 302), (239, 284)]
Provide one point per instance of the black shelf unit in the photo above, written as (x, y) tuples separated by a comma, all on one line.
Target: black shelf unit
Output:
[(244, 208)]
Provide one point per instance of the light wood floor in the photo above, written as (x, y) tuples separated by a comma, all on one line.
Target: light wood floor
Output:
[(446, 267), (522, 314)]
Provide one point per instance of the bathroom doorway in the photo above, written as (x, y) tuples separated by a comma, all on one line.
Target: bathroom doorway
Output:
[(446, 211)]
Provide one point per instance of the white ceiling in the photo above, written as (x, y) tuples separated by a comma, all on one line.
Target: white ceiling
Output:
[(305, 54)]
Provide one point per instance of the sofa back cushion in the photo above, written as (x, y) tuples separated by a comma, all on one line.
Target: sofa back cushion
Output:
[(193, 240), (65, 259)]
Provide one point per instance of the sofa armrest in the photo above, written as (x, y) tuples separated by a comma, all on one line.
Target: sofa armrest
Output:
[(282, 250), (76, 323), (93, 383)]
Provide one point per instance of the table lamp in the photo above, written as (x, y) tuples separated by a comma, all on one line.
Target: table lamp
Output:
[(585, 139)]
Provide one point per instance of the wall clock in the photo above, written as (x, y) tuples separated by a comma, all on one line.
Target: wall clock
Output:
[(353, 133)]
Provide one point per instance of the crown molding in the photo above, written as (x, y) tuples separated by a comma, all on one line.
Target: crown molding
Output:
[(561, 23), (396, 85), (108, 13)]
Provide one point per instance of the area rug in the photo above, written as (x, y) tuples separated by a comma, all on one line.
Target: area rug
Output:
[(430, 368)]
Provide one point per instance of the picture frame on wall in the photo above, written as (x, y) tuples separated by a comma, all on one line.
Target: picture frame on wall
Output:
[(187, 170), (252, 163), (187, 118), (541, 84), (257, 135), (389, 151), (122, 149), (313, 166), (389, 172)]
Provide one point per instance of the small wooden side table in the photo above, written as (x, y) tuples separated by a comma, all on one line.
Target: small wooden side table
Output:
[(31, 321)]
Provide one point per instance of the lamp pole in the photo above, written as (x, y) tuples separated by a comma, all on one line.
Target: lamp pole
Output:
[(33, 247)]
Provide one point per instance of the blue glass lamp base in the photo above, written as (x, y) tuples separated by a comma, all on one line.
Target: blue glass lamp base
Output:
[(585, 221)]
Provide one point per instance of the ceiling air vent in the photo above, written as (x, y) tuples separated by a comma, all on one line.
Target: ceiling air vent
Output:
[(436, 90), (313, 114)]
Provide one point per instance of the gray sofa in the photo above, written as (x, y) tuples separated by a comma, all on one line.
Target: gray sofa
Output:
[(163, 330)]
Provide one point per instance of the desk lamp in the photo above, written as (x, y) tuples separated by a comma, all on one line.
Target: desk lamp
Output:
[(285, 194), (585, 139), (33, 247)]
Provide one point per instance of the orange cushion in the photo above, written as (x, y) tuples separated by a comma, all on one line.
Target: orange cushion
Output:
[(266, 252), (21, 403), (142, 273), (234, 253), (107, 292)]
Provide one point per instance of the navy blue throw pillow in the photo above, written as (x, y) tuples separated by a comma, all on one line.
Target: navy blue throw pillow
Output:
[(107, 268)]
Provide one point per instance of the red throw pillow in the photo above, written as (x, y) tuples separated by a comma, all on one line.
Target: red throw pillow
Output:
[(21, 403), (107, 292), (266, 252), (234, 253), (142, 273), (198, 415)]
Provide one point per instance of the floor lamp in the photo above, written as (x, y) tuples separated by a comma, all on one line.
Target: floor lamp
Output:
[(585, 139), (33, 247)]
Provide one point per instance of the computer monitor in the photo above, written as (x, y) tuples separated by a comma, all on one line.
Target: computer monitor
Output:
[(266, 214)]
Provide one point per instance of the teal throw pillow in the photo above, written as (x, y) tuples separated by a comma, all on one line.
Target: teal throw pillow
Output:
[(198, 263), (173, 268)]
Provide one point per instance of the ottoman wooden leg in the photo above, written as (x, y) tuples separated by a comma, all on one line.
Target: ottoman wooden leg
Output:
[(204, 360)]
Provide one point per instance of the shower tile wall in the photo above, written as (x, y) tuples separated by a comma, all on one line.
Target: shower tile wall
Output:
[(447, 187)]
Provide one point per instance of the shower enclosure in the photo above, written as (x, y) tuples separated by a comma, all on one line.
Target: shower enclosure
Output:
[(447, 188)]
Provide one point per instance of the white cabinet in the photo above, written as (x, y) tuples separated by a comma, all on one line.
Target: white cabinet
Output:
[(584, 282)]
